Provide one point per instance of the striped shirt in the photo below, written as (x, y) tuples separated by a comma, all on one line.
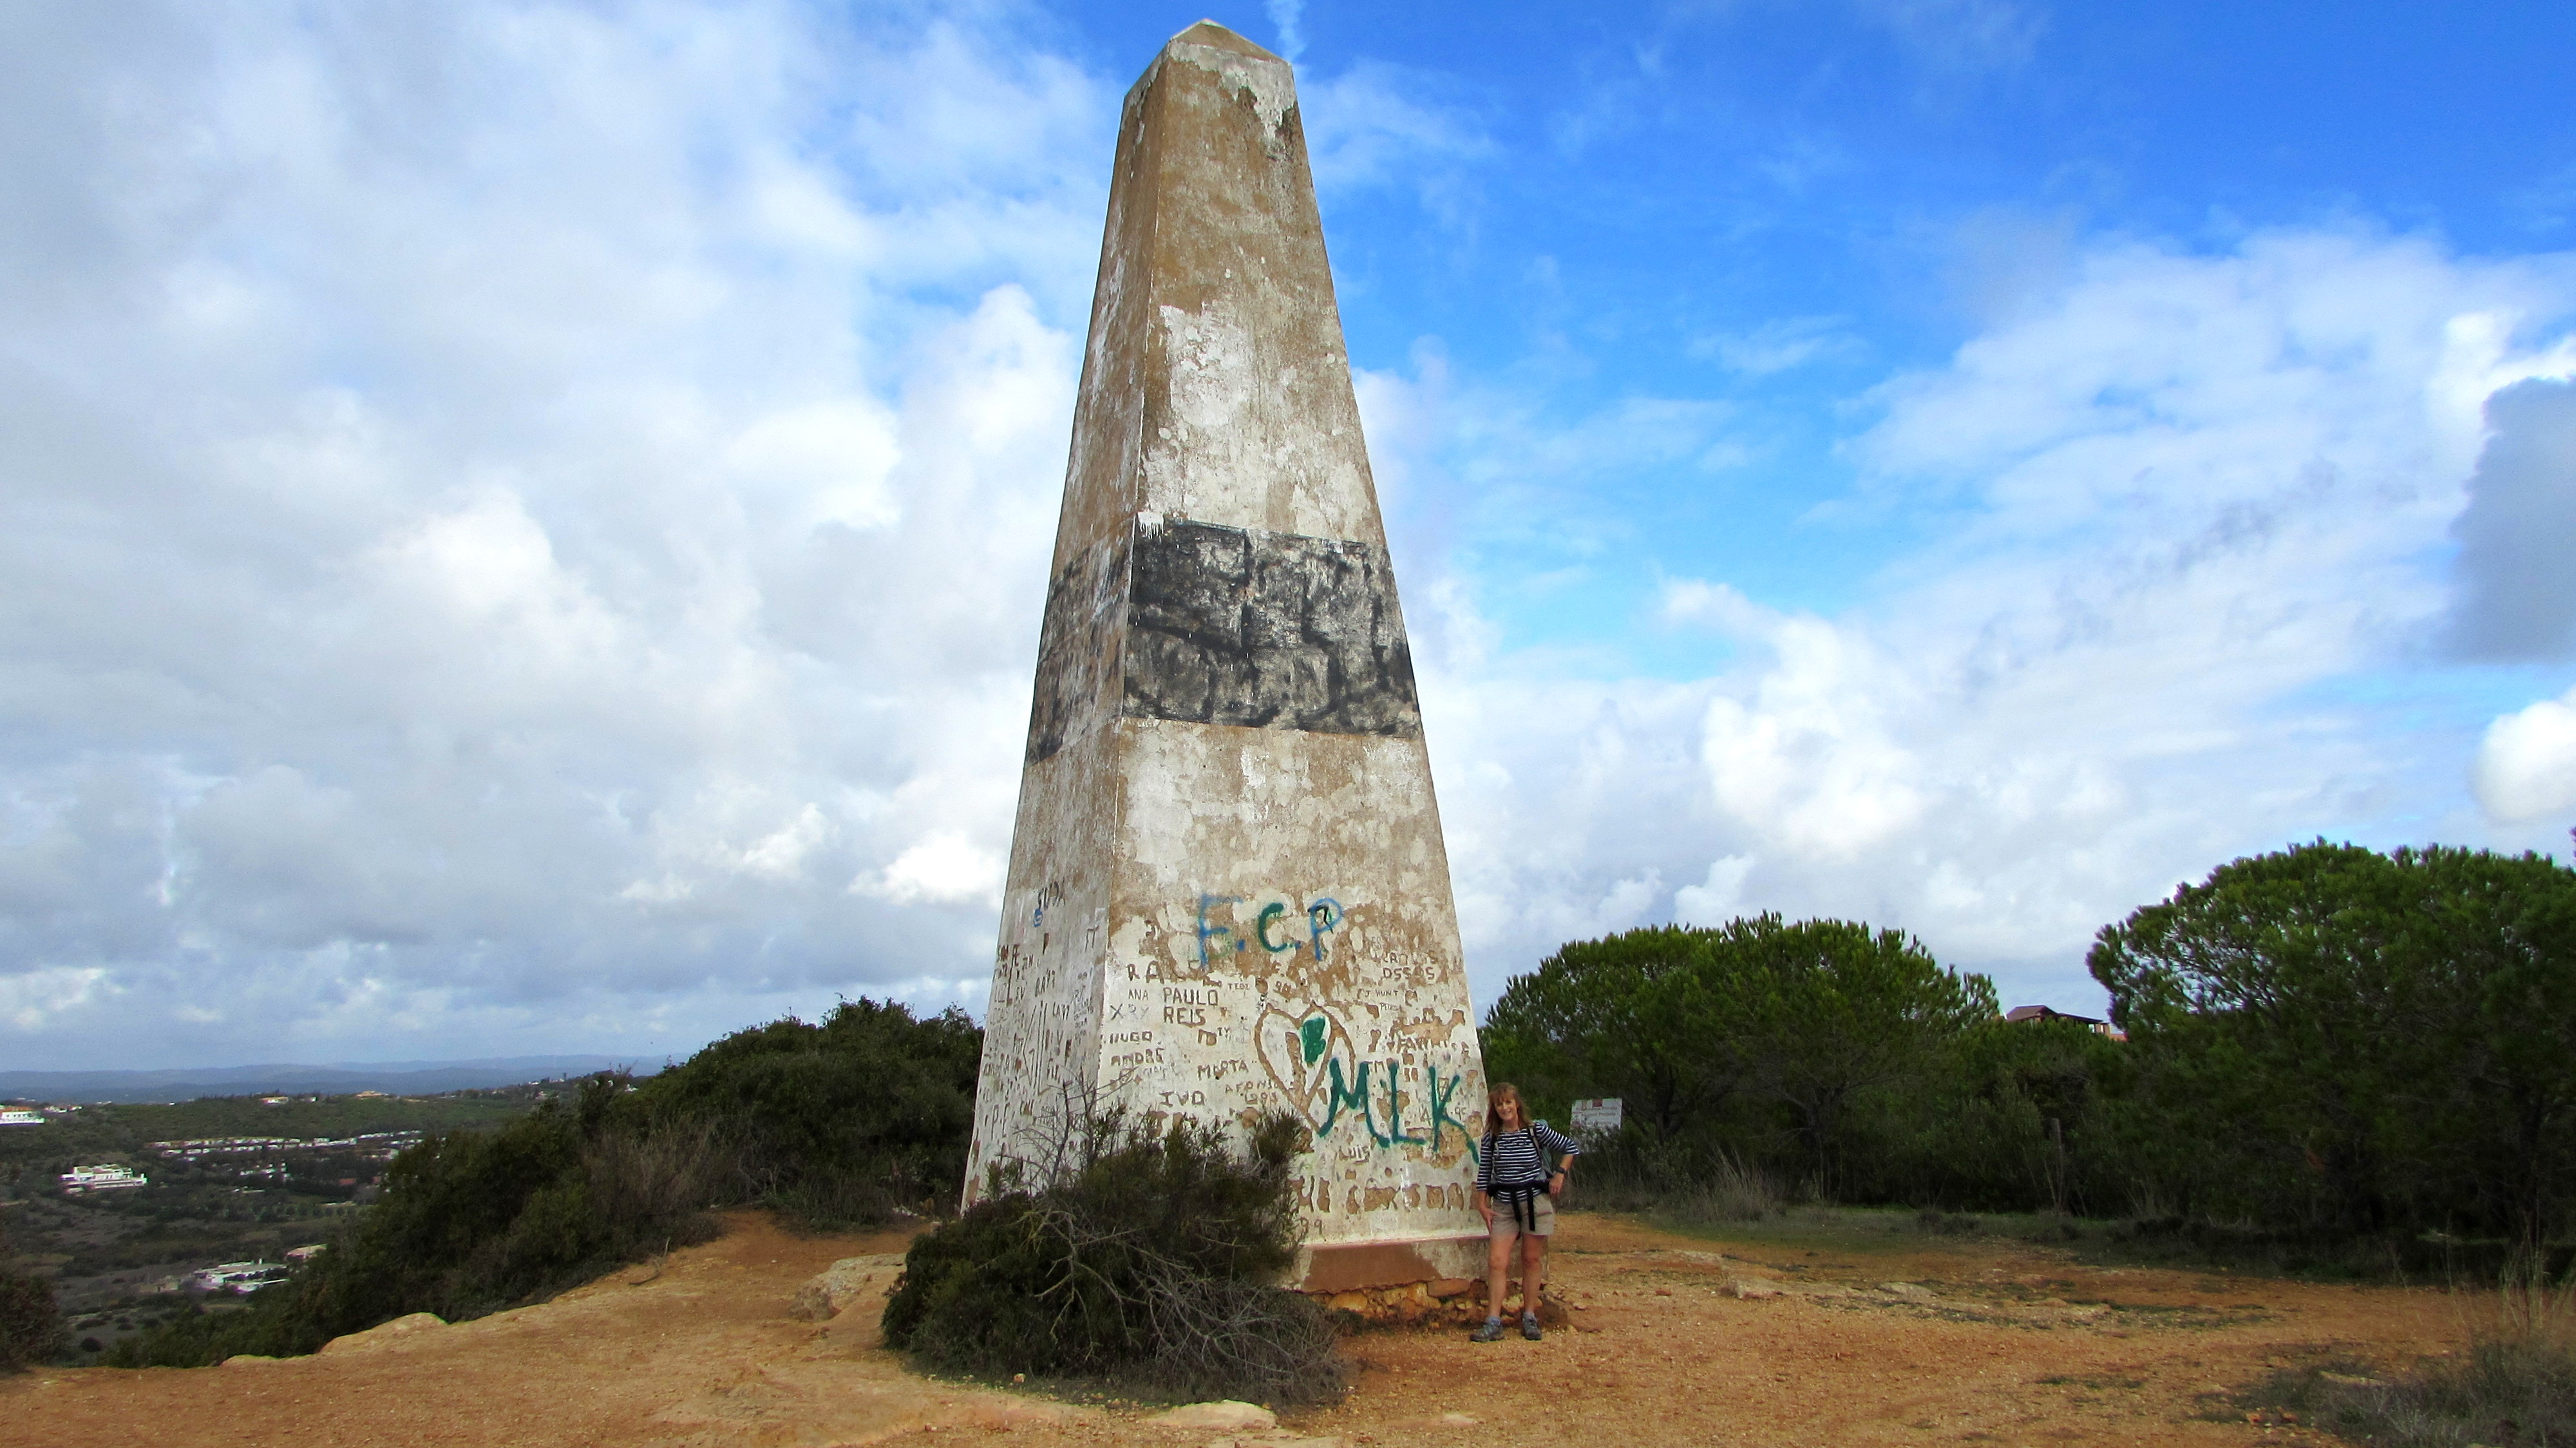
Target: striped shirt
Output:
[(1511, 1158)]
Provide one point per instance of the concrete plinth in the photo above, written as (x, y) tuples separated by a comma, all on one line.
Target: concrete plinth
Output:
[(1228, 892)]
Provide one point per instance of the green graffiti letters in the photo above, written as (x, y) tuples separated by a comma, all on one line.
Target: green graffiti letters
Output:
[(1440, 1110), (1345, 1091), (1270, 914), (1345, 1094), (1395, 1112)]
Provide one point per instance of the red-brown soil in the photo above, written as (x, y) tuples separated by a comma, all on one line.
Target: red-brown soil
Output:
[(1874, 1337)]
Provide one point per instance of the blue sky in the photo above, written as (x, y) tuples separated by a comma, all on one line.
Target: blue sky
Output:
[(527, 521), (1769, 208)]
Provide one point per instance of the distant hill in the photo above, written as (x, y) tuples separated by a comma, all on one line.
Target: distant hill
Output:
[(394, 1078)]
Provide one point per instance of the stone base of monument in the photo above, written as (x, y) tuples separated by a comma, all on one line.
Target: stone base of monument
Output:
[(1326, 1268), (1412, 1280), (1456, 1299)]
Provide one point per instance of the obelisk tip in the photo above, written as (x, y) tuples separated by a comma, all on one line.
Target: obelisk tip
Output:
[(1209, 33)]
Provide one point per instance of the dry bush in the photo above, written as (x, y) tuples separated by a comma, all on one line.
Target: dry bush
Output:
[(1148, 1262), (2516, 1384), (1734, 1190), (659, 1181), (1688, 1180), (1934, 1222), (2500, 1392)]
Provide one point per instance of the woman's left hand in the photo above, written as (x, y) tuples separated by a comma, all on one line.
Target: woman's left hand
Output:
[(1556, 1183)]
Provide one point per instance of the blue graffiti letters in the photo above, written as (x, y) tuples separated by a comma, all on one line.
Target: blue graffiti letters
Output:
[(1322, 918), (1221, 932), (1210, 931)]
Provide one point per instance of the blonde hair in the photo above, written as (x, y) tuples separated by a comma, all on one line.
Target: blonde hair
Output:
[(1493, 1115)]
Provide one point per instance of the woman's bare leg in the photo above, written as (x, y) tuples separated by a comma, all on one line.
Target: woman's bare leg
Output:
[(1533, 1269), (1498, 1271)]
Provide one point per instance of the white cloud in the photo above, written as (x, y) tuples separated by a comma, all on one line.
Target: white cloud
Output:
[(1814, 761), (511, 509), (1778, 346), (1720, 897), (825, 462), (2526, 765), (32, 999), (1288, 17), (1720, 606), (2517, 592), (2172, 510), (527, 525), (781, 853), (947, 867), (1382, 125), (1962, 34)]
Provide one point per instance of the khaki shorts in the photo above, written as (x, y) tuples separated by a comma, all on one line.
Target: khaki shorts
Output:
[(1504, 1229)]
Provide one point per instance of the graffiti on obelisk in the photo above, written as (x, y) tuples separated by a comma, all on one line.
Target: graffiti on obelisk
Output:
[(1228, 892)]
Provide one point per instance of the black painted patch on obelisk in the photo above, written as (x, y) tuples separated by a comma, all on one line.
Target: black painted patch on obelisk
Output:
[(1266, 630), (1227, 626), (1077, 645)]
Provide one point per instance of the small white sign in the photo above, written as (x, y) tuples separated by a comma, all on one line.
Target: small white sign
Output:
[(1597, 1113)]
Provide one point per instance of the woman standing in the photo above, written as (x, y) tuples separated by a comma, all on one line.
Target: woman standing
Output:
[(1515, 1192)]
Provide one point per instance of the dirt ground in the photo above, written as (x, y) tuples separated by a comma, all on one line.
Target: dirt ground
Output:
[(1767, 1337)]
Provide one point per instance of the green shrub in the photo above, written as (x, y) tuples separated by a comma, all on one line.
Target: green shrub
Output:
[(838, 1124), (2390, 1038), (197, 1338), (1759, 1060), (1150, 1265), (2336, 1060)]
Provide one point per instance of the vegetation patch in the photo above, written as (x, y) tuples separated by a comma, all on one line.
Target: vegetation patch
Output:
[(472, 1222), (1936, 1222), (1149, 1263), (846, 1122), (30, 1328), (2515, 1386), (2501, 1392), (2336, 1063)]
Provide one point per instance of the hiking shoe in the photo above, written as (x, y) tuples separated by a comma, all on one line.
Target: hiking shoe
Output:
[(1529, 1326), (1492, 1331)]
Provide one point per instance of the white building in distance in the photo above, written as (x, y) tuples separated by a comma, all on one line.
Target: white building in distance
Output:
[(101, 1178), (237, 1277)]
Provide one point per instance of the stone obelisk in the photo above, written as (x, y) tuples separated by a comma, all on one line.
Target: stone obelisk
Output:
[(1228, 891)]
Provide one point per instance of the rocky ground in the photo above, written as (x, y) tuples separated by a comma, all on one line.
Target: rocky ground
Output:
[(1764, 1337)]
